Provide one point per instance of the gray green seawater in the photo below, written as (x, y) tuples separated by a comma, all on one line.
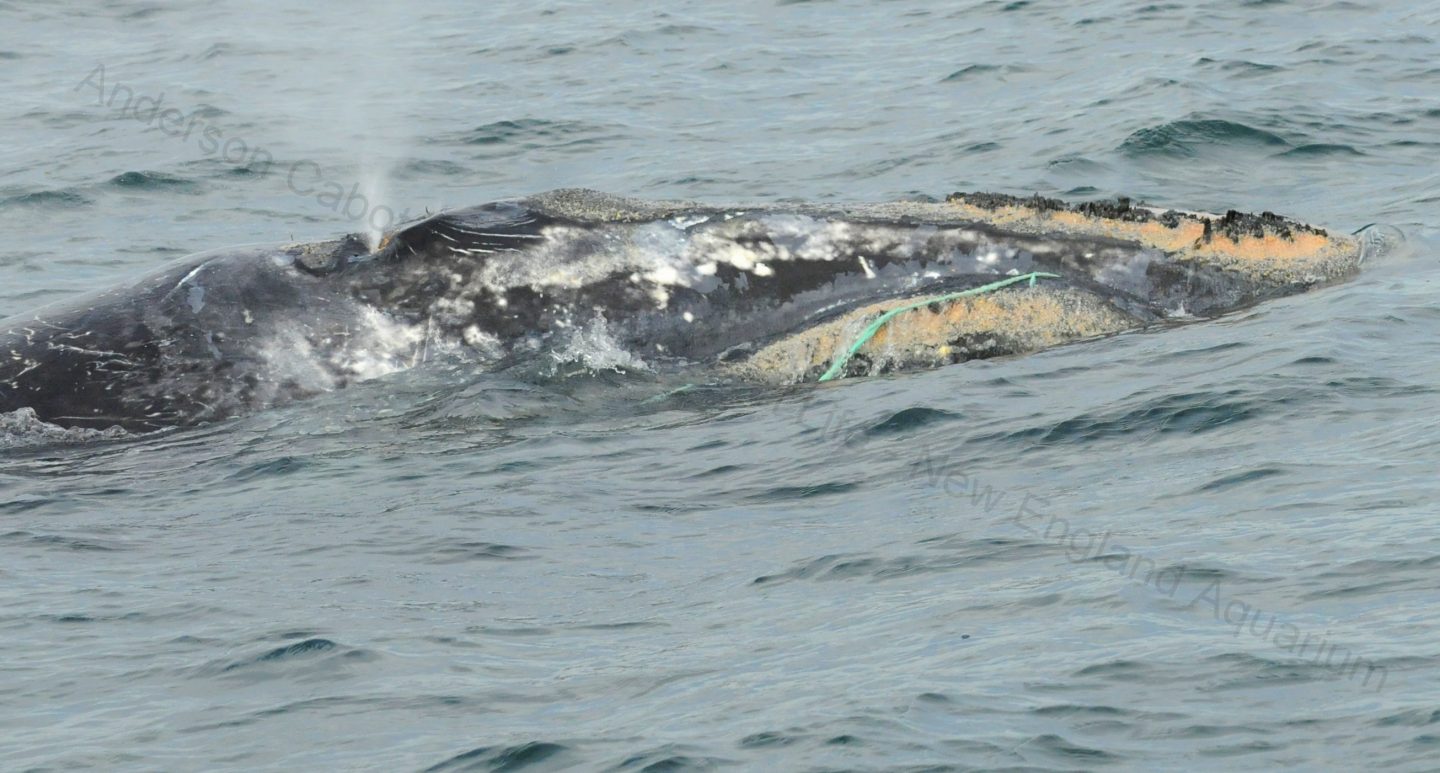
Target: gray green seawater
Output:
[(1206, 548)]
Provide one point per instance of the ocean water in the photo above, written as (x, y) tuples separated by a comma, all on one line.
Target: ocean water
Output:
[(1204, 548)]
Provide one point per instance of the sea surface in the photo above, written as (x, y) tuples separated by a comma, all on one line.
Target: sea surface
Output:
[(1213, 547)]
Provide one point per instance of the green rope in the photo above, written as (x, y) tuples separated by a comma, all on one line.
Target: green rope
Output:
[(838, 366), (672, 392)]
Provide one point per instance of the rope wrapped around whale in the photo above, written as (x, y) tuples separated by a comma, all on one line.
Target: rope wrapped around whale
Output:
[(838, 366)]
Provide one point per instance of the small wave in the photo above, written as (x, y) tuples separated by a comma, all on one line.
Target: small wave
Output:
[(285, 465), (1246, 671), (788, 493), (1239, 67), (828, 566), (313, 649), (948, 555), (151, 181), (769, 739), (1120, 670), (1084, 711), (1321, 150), (297, 649), (1373, 567), (62, 542), (1184, 413), (208, 111), (908, 420), (23, 504), (427, 168), (670, 757), (1190, 137), (972, 71), (144, 12), (216, 50), (47, 199), (446, 551), (1410, 718), (1238, 479), (1070, 751), (503, 758), (678, 29), (527, 130)]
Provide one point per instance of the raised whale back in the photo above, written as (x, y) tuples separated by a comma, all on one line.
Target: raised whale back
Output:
[(772, 292)]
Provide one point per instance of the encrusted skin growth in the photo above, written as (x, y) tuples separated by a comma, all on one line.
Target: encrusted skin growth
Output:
[(1233, 225), (1010, 321), (1274, 254)]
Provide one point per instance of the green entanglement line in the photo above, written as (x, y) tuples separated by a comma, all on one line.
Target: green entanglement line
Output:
[(671, 393), (838, 366)]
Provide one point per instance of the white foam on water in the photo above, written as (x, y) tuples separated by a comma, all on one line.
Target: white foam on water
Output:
[(594, 347), (23, 428)]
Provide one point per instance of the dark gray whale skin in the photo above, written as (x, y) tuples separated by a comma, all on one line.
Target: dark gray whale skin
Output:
[(174, 348), (229, 332)]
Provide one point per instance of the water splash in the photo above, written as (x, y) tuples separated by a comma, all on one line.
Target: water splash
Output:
[(594, 348), (24, 429)]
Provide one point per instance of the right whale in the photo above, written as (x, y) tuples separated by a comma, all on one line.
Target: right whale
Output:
[(779, 293)]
